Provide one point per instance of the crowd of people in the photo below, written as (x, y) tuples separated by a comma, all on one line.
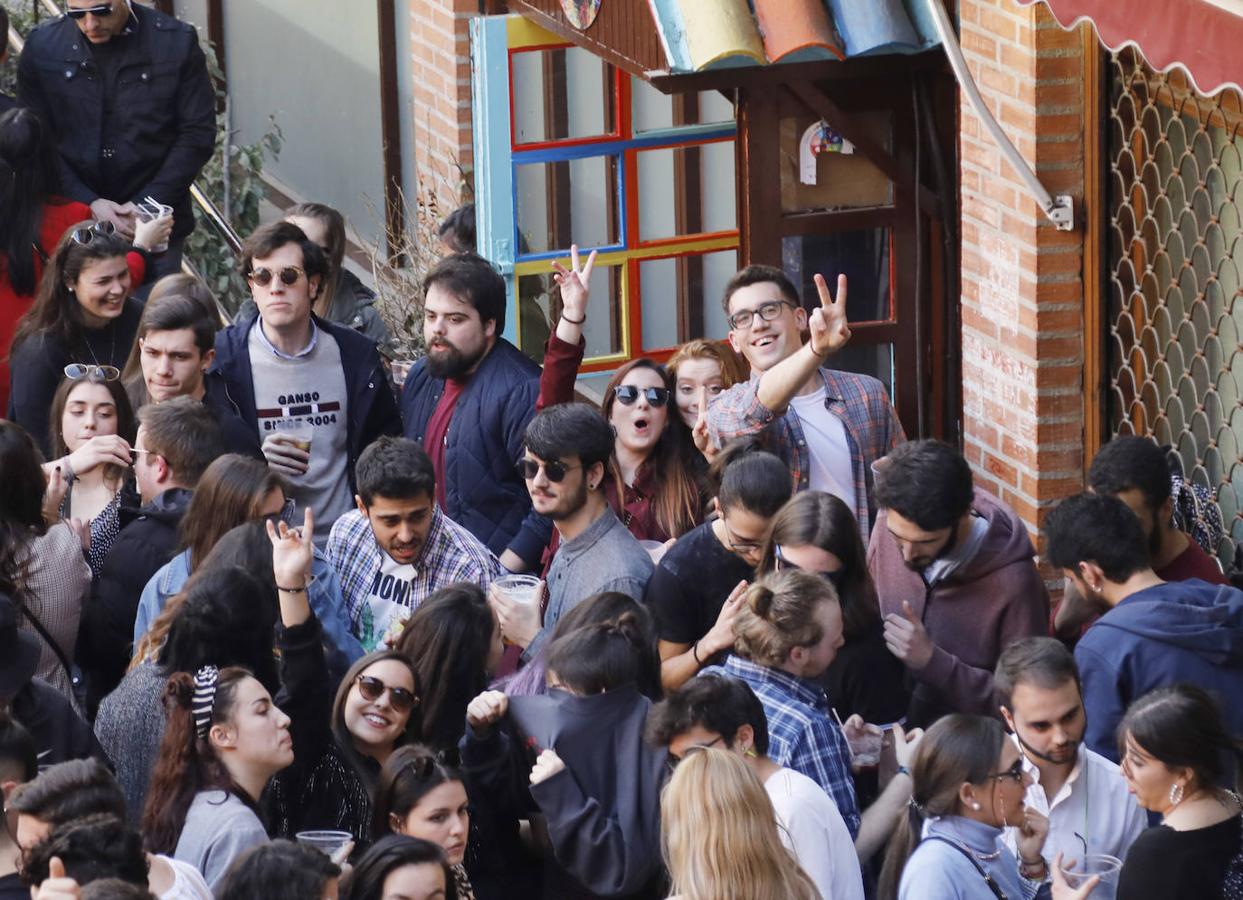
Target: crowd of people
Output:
[(275, 623)]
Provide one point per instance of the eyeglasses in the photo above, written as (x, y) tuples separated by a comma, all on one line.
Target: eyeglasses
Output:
[(1015, 772), (97, 374), (555, 470), (99, 12), (737, 543), (373, 688), (743, 319), (627, 394), (289, 276), (135, 452), (88, 233), (692, 750)]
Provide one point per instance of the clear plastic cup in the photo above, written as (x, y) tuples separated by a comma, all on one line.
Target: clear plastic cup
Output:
[(328, 843), (518, 588), (300, 433), (865, 748), (147, 212), (1078, 871)]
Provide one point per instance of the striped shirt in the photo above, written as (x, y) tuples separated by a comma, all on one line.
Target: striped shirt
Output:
[(801, 733), (860, 401)]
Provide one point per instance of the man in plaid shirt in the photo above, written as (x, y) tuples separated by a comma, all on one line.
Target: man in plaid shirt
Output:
[(828, 426), (398, 547)]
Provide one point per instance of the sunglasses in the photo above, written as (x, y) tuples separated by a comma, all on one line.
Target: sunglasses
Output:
[(780, 563), (87, 234), (136, 453), (263, 277), (373, 688), (99, 12), (97, 374), (555, 470), (627, 394), (1015, 772), (672, 761)]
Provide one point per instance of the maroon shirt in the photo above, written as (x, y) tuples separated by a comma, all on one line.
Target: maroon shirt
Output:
[(438, 431), (1192, 563)]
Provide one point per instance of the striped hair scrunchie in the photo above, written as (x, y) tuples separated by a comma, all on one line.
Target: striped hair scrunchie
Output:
[(205, 681)]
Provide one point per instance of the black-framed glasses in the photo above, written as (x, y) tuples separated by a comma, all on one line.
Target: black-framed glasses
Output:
[(263, 276), (1014, 773), (373, 688), (555, 470), (628, 394), (99, 11), (744, 318), (88, 233), (91, 372), (737, 543)]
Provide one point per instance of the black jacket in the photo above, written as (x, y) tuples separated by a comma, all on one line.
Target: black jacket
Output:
[(371, 409), (60, 733), (151, 134), (239, 436), (147, 541), (6, 103)]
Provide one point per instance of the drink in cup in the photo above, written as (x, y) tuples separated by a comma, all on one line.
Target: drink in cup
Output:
[(518, 588), (150, 210), (328, 843), (299, 433), (1078, 871)]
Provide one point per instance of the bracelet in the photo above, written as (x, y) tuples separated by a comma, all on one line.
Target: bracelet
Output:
[(695, 654), (575, 321), (1041, 868), (292, 590), (903, 770)]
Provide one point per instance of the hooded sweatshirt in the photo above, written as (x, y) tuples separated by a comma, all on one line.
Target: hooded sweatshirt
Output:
[(1184, 631), (971, 615)]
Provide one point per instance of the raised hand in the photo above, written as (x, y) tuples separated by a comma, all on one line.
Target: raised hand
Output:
[(57, 885), (547, 764), (700, 434), (486, 710), (907, 639), (520, 622), (101, 450), (575, 285), (57, 486), (293, 551), (829, 330)]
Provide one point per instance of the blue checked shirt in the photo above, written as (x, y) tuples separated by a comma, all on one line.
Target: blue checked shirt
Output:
[(801, 732), (450, 553), (871, 424)]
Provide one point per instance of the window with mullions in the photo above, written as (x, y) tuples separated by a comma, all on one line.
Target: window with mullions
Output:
[(609, 163)]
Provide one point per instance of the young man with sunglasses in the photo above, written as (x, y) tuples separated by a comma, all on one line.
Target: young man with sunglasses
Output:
[(315, 390), (828, 426), (125, 92), (398, 547), (176, 441), (1083, 795), (468, 402), (955, 577), (566, 450)]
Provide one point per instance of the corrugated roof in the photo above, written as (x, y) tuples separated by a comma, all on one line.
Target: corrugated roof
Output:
[(701, 35)]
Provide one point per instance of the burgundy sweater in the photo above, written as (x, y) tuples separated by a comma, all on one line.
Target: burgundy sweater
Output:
[(971, 615)]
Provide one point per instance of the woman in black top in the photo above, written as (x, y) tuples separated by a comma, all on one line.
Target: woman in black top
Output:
[(1175, 756), (817, 532)]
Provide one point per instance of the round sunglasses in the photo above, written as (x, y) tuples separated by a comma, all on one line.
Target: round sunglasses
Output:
[(399, 698), (628, 394), (555, 470), (289, 276)]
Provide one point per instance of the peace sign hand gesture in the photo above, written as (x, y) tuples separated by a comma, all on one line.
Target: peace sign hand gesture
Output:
[(574, 284), (829, 330), (700, 434)]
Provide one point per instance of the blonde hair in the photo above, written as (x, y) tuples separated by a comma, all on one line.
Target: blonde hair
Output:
[(719, 834), (733, 370), (778, 614)]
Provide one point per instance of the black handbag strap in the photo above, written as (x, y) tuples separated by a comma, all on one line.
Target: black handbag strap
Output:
[(48, 639), (988, 879)]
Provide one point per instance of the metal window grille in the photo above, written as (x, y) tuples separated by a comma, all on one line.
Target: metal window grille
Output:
[(1174, 257)]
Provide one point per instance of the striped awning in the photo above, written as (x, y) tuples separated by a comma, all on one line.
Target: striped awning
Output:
[(1202, 37)]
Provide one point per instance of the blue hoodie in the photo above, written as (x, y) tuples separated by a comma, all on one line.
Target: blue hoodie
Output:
[(1179, 631)]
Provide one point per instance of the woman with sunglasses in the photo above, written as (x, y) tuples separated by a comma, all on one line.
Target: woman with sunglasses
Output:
[(422, 796), (969, 784), (341, 743), (817, 532), (654, 477), (83, 312), (92, 428)]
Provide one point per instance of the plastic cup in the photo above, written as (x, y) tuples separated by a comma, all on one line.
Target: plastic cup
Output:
[(865, 749), (147, 213), (326, 842), (1078, 871), (518, 588), (300, 433)]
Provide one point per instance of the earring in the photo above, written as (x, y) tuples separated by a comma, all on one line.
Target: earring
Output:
[(750, 753), (1176, 794), (975, 806)]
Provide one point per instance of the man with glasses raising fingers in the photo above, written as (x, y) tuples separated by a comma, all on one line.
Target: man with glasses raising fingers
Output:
[(125, 92), (828, 426), (567, 449), (315, 390)]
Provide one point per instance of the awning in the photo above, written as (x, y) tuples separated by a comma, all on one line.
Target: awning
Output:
[(703, 35), (1202, 37)]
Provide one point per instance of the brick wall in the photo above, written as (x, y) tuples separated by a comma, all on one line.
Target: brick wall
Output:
[(440, 70), (1022, 281)]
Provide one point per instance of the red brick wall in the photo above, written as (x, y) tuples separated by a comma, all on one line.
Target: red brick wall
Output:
[(440, 71), (1022, 281)]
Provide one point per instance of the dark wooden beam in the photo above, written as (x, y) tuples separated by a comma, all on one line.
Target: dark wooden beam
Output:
[(867, 68), (390, 120), (760, 171)]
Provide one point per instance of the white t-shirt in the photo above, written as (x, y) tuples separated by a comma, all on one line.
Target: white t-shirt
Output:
[(827, 447), (388, 597), (813, 831), (188, 883)]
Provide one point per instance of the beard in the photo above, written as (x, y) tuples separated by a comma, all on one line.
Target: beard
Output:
[(569, 504), (450, 362), (920, 563)]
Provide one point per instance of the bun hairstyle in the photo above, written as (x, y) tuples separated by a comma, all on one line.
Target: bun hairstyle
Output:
[(778, 614), (408, 775), (603, 656), (187, 763)]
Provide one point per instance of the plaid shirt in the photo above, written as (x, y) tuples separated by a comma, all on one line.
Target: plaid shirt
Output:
[(801, 733), (450, 553), (872, 429)]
